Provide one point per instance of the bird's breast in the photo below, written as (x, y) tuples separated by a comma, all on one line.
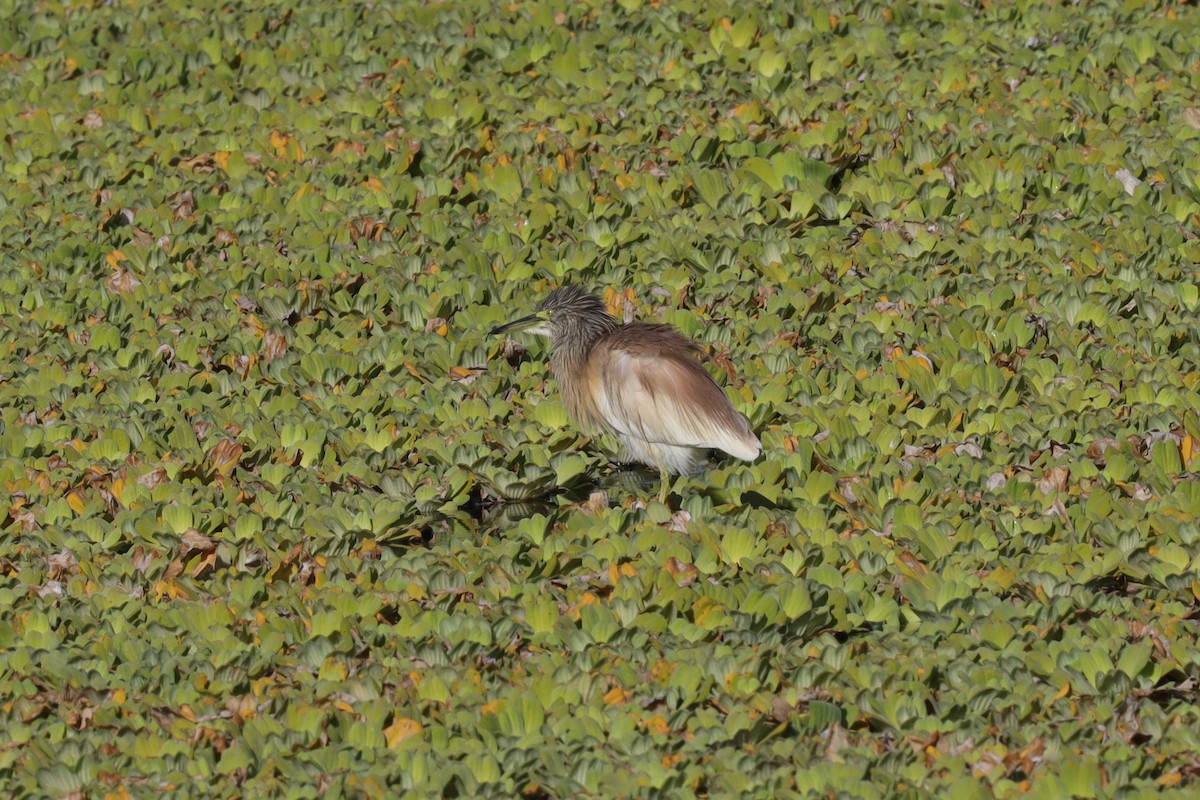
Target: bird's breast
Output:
[(579, 383)]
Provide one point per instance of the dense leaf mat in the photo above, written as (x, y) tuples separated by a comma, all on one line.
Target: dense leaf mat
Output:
[(943, 255)]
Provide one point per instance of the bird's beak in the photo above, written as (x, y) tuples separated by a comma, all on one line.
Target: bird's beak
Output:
[(524, 323)]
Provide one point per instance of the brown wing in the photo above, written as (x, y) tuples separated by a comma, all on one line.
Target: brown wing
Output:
[(653, 387)]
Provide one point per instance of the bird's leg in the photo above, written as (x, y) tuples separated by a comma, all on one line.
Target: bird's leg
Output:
[(664, 486)]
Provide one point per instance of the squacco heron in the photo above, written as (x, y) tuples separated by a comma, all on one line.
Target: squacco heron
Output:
[(642, 383)]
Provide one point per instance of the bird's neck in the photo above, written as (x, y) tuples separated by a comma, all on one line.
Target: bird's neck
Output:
[(569, 350)]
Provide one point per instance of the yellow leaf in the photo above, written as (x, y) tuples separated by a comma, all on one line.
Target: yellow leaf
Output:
[(75, 501), (618, 571), (908, 365), (170, 590), (910, 565), (705, 606), (118, 489), (751, 109), (115, 258), (280, 141), (400, 730), (658, 725), (617, 696), (588, 599), (1170, 779), (118, 696), (221, 159), (302, 191), (661, 671), (373, 185)]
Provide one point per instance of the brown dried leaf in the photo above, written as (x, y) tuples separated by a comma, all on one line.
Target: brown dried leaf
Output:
[(1027, 759), (225, 455), (242, 365), (1129, 182), (143, 559), (205, 565), (1191, 116), (51, 588), (153, 478), (462, 375), (911, 563), (183, 204), (1053, 480), (846, 488), (141, 237), (62, 564), (970, 449), (723, 359), (684, 574), (986, 763), (891, 308), (274, 346), (366, 227), (201, 164), (597, 501), (839, 740), (1096, 449), (193, 541), (242, 706), (122, 282)]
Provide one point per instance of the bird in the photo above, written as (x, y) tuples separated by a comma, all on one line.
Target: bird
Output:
[(640, 382)]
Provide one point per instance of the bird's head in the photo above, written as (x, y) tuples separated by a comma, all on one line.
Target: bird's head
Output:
[(567, 313)]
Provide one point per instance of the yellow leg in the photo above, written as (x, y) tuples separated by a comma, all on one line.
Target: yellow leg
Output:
[(664, 485)]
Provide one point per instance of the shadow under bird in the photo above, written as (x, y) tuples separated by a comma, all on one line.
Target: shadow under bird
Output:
[(641, 382)]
